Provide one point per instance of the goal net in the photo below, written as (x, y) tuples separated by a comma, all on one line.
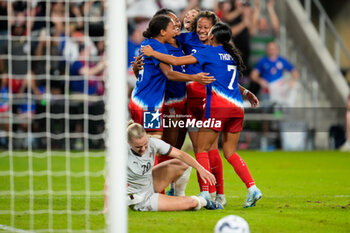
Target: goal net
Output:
[(52, 115)]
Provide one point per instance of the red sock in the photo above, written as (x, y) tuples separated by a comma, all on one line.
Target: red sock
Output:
[(216, 168), (202, 159), (241, 169)]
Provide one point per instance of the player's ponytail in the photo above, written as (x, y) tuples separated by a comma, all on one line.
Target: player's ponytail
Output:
[(135, 130), (223, 35), (157, 23)]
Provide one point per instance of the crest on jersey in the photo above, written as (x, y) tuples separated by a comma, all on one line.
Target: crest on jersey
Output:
[(152, 120)]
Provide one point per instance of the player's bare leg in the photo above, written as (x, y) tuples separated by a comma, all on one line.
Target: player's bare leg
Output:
[(163, 174), (166, 172), (173, 203), (175, 137), (193, 137)]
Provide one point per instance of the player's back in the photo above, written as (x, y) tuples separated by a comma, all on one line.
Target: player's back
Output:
[(150, 86), (223, 95)]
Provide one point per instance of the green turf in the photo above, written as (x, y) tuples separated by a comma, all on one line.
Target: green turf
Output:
[(303, 192)]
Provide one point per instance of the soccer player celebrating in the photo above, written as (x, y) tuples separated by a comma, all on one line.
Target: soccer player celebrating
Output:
[(224, 100), (148, 95), (175, 92), (189, 17), (144, 182), (193, 42)]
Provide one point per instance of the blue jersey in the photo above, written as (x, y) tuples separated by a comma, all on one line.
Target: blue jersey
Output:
[(133, 51), (175, 92), (224, 99), (192, 44), (273, 70), (148, 93)]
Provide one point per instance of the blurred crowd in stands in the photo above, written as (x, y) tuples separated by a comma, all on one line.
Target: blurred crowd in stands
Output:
[(51, 54), (52, 59), (254, 25)]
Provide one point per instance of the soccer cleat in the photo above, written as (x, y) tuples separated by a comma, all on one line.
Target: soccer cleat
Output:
[(253, 196), (213, 205), (220, 198), (170, 192)]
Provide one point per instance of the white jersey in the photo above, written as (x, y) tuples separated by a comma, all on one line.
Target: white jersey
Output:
[(139, 170)]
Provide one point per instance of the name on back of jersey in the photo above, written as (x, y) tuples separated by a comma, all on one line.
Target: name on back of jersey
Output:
[(225, 57)]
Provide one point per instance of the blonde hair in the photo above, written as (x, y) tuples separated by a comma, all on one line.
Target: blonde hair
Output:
[(135, 130)]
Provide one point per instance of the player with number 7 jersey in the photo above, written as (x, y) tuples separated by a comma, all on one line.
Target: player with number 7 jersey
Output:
[(224, 100)]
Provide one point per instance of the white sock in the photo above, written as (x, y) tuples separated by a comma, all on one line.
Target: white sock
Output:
[(251, 189), (213, 195), (205, 194), (221, 195), (181, 183), (200, 202)]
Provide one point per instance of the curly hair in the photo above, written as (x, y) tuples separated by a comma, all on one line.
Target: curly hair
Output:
[(205, 14)]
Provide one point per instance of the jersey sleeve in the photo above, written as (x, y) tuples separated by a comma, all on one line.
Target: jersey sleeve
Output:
[(183, 38), (161, 49), (202, 56), (162, 147), (287, 65)]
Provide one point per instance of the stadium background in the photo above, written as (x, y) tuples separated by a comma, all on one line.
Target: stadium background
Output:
[(52, 129)]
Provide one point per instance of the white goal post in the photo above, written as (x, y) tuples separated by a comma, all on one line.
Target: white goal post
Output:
[(63, 115), (117, 152)]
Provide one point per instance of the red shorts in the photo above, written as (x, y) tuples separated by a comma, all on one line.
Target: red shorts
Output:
[(229, 125), (175, 109), (144, 118), (15, 83), (196, 108)]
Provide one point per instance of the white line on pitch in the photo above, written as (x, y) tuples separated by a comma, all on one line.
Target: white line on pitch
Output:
[(12, 229)]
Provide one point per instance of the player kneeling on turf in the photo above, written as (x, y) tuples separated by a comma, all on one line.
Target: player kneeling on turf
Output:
[(145, 181)]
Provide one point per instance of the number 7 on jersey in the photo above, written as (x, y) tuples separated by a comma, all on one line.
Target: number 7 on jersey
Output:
[(234, 68)]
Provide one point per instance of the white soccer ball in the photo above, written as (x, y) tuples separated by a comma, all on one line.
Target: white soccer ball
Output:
[(232, 224)]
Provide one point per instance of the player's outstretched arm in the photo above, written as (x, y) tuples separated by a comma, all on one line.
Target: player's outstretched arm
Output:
[(205, 175), (169, 59), (201, 78)]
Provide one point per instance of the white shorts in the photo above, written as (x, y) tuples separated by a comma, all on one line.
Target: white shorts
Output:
[(148, 204)]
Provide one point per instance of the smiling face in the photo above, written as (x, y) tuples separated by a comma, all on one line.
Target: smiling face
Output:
[(139, 145), (203, 28), (177, 23), (170, 33), (189, 17)]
